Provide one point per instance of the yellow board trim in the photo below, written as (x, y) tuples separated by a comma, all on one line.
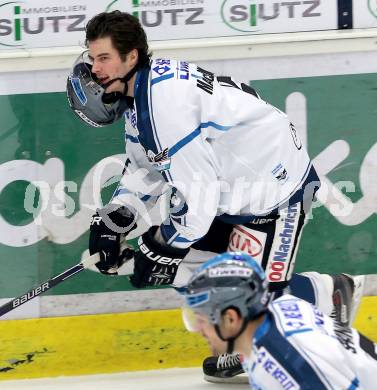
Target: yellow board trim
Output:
[(97, 344), (108, 343), (366, 319)]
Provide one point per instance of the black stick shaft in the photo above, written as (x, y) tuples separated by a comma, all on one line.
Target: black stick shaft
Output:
[(43, 287)]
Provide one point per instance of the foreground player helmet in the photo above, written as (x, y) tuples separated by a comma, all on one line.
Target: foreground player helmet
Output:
[(88, 99), (232, 279)]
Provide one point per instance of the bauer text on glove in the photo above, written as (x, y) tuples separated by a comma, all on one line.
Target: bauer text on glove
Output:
[(156, 264)]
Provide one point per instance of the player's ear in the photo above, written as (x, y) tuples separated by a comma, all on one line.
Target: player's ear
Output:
[(133, 57), (231, 319)]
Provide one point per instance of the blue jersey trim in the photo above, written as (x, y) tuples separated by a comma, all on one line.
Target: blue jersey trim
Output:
[(162, 78), (133, 139), (215, 125), (152, 119), (182, 239), (120, 191), (354, 385), (146, 136), (165, 174), (314, 364), (301, 192), (262, 328), (289, 358), (184, 141), (298, 331), (170, 234), (168, 231), (302, 287), (137, 82)]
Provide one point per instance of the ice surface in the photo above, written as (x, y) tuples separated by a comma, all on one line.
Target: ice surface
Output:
[(170, 379)]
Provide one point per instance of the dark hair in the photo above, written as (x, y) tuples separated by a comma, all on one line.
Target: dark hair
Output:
[(125, 32)]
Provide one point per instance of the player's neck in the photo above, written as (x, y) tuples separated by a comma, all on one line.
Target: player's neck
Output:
[(131, 85), (244, 341)]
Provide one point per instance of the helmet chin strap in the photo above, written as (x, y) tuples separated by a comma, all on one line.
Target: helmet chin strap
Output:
[(124, 80), (231, 340)]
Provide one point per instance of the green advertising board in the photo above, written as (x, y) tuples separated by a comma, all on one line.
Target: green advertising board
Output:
[(40, 136), (339, 237)]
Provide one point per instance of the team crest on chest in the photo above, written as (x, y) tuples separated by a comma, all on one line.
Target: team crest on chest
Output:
[(161, 161)]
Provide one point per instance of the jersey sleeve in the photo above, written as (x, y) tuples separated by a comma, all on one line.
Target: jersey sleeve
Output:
[(139, 187)]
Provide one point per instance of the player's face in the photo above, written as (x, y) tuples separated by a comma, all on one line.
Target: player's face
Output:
[(107, 63), (207, 330)]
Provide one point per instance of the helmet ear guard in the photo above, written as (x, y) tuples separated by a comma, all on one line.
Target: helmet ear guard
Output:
[(87, 98)]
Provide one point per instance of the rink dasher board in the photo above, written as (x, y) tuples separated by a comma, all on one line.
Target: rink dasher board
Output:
[(104, 343), (47, 246), (107, 343)]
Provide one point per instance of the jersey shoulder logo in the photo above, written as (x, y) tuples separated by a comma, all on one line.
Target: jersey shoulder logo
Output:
[(162, 66)]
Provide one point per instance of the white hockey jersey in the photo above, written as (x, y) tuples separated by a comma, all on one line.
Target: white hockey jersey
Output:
[(298, 347), (220, 149)]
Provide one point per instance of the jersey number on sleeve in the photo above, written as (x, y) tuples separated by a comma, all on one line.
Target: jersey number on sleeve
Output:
[(227, 81)]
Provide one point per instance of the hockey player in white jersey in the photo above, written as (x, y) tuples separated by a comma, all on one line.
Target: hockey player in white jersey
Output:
[(232, 162), (235, 171), (285, 343)]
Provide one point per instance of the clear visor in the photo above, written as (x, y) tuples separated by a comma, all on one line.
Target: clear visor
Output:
[(82, 68), (194, 321), (83, 58), (86, 58)]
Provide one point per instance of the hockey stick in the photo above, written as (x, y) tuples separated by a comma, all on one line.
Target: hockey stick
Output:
[(43, 287)]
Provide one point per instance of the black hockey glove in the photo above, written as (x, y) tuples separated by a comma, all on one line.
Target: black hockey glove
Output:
[(155, 264), (106, 228)]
